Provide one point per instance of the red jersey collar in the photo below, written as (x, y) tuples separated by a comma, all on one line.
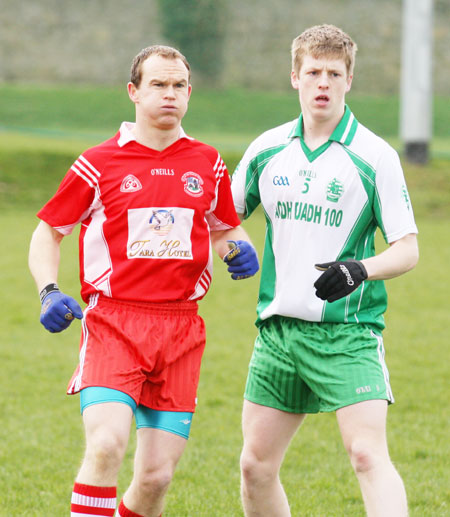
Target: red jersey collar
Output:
[(126, 134)]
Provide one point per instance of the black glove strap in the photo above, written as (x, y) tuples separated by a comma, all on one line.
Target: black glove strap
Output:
[(48, 289)]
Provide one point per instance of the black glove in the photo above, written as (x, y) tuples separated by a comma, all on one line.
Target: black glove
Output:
[(340, 279)]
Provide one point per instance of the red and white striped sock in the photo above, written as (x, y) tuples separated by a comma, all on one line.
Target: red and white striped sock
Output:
[(93, 501), (123, 511)]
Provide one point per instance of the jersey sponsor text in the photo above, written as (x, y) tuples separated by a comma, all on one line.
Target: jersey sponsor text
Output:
[(308, 212)]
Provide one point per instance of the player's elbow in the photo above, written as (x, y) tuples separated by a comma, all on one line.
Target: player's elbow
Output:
[(415, 258), (411, 253)]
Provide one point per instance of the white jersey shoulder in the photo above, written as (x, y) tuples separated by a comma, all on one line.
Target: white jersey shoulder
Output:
[(370, 147), (272, 138), (266, 143)]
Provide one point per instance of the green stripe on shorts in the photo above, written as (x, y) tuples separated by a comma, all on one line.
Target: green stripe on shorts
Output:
[(307, 367)]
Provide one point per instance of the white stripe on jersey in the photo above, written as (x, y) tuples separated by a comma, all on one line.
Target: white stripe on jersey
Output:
[(217, 161), (215, 224), (97, 260), (88, 164), (66, 230), (82, 176), (347, 305), (96, 282), (219, 168), (205, 280), (86, 171), (347, 129), (203, 283)]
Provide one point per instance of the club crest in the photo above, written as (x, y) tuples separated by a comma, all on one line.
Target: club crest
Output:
[(335, 189), (192, 184)]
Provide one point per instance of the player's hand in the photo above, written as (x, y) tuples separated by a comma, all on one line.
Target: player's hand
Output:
[(242, 260), (340, 279), (58, 310)]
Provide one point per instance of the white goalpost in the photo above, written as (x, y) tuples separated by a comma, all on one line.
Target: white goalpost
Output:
[(416, 92)]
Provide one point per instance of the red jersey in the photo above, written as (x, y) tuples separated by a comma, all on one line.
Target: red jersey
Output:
[(145, 217)]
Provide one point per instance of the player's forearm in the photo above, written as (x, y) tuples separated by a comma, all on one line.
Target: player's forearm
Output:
[(43, 258), (400, 257), (219, 239)]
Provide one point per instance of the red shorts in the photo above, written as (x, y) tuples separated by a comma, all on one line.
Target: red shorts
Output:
[(151, 351)]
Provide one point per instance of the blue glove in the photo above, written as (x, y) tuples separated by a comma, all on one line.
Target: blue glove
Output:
[(58, 309), (242, 260)]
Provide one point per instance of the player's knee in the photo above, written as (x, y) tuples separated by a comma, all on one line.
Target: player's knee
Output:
[(154, 482), (256, 471), (364, 456), (105, 451)]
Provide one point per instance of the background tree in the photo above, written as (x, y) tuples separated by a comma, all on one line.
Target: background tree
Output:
[(197, 29)]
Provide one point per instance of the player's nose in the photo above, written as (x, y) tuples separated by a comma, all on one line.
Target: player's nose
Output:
[(170, 92), (324, 80)]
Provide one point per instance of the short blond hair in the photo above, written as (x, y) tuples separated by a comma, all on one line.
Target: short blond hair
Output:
[(154, 50), (323, 41)]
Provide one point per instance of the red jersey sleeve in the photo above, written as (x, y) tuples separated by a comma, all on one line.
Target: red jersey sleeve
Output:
[(223, 215), (77, 195)]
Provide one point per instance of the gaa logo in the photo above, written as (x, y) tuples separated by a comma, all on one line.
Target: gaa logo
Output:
[(192, 184), (281, 181)]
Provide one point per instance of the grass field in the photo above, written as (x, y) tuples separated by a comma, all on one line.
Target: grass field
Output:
[(41, 439)]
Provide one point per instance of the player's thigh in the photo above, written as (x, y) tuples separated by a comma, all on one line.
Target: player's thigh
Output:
[(107, 425), (364, 425), (273, 377), (267, 432), (157, 451), (342, 363)]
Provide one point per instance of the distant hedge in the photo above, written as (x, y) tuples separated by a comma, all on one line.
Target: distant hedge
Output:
[(197, 28), (28, 178)]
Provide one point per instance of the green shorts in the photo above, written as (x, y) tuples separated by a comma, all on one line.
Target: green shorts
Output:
[(307, 367)]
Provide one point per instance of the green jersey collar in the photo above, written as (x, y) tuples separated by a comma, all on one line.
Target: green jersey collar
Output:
[(343, 133)]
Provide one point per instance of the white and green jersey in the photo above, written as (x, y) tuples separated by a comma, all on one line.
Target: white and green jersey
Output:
[(321, 206)]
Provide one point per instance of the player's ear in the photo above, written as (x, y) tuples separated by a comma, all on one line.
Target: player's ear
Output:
[(132, 92), (294, 80), (349, 83)]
